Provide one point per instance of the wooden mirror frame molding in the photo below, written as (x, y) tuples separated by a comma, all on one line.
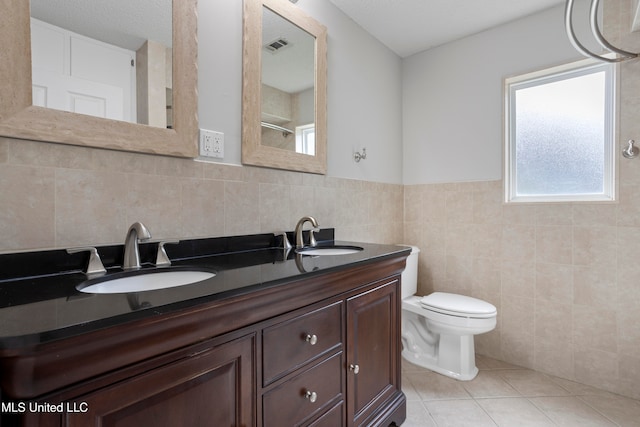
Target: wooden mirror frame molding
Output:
[(253, 152), (20, 119)]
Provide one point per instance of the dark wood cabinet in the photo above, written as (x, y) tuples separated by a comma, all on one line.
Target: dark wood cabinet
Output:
[(360, 332), (323, 351), (211, 383), (212, 387), (372, 355)]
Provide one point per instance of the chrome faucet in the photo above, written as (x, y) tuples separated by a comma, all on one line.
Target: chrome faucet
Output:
[(137, 232), (298, 231)]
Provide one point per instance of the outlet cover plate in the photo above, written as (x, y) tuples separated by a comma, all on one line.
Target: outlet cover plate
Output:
[(211, 144)]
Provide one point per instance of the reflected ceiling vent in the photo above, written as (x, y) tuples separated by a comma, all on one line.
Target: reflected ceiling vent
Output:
[(277, 45)]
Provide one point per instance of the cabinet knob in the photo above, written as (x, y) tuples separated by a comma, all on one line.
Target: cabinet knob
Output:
[(311, 339), (312, 396), (354, 368)]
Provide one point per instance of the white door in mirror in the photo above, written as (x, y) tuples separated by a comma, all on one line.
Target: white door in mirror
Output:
[(71, 72)]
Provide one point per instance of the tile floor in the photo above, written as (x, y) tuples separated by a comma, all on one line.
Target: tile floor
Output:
[(505, 395)]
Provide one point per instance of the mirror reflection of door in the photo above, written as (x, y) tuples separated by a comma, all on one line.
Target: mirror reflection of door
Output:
[(97, 57), (288, 85)]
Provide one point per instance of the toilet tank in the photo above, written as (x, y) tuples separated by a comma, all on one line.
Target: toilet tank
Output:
[(410, 274)]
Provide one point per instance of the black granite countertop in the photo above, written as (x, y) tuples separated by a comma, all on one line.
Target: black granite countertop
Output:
[(39, 302)]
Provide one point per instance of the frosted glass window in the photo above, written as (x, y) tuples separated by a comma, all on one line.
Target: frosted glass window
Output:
[(560, 135)]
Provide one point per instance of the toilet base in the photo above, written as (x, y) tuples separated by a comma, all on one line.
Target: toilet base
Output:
[(432, 364), (445, 353)]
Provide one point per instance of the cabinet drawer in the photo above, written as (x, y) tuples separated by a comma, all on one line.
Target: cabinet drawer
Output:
[(288, 345), (332, 418), (289, 403)]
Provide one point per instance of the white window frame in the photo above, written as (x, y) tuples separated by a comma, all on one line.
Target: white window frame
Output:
[(550, 75), (303, 145)]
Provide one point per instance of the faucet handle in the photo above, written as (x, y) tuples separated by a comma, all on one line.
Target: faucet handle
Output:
[(312, 237), (162, 259), (285, 240), (95, 263)]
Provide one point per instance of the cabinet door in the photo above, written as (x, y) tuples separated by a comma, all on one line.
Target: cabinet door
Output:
[(372, 351), (214, 387)]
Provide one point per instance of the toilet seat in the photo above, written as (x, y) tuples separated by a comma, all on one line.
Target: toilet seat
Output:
[(458, 305)]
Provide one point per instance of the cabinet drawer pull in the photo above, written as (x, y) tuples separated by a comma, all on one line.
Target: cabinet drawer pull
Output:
[(354, 368), (312, 396), (311, 339)]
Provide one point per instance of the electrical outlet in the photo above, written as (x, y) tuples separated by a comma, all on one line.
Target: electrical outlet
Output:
[(211, 144)]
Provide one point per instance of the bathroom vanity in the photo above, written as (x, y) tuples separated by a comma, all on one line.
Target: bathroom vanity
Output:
[(274, 339)]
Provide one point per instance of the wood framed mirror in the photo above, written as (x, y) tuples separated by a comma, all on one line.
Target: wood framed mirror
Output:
[(284, 106), (20, 119)]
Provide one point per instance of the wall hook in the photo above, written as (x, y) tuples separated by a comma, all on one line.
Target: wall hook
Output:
[(631, 151), (360, 156)]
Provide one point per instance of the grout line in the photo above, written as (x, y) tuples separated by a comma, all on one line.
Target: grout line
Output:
[(577, 394), (580, 397)]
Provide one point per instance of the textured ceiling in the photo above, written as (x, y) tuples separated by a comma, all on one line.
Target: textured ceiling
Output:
[(124, 23), (411, 26)]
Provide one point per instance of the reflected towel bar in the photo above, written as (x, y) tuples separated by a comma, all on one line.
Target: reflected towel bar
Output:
[(276, 127)]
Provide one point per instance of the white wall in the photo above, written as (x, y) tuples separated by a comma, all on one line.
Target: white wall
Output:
[(220, 72), (452, 97), (364, 89)]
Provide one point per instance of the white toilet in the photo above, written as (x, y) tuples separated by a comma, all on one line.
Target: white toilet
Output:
[(438, 329)]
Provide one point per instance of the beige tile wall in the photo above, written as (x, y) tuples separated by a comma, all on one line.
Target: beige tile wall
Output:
[(56, 196), (565, 277)]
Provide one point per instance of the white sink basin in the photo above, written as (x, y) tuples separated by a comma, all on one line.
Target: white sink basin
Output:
[(146, 282), (329, 250)]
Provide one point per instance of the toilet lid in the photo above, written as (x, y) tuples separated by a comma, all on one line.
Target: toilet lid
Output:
[(458, 305)]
